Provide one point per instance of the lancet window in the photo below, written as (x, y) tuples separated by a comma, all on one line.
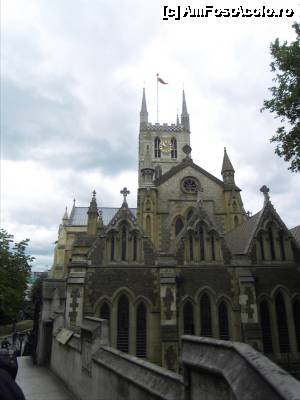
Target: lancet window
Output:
[(212, 246), (112, 247), (265, 323), (188, 319), (123, 243), (123, 324), (135, 246), (173, 148), (141, 331), (281, 244), (201, 242), (261, 245), (282, 326), (191, 247), (157, 147), (205, 316), (223, 321), (271, 241)]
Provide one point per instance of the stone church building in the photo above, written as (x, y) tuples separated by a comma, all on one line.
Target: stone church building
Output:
[(187, 260)]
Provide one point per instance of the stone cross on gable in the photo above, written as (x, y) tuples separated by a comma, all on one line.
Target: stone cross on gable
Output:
[(265, 190), (125, 192)]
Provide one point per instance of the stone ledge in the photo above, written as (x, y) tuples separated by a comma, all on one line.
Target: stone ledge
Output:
[(150, 377), (248, 373)]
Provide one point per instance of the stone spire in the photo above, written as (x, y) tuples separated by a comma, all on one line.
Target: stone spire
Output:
[(144, 112), (185, 119), (177, 119), (92, 216), (147, 171), (65, 218), (227, 169)]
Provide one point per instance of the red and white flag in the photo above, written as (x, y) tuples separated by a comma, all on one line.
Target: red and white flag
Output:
[(161, 80)]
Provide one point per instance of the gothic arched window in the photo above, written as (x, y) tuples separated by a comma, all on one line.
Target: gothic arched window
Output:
[(261, 245), (188, 319), (205, 316), (123, 243), (134, 244), (212, 245), (223, 321), (112, 247), (173, 148), (296, 313), (178, 225), (157, 147), (201, 242), (141, 331), (191, 247), (105, 312), (271, 241), (281, 243), (265, 323), (283, 332), (123, 324)]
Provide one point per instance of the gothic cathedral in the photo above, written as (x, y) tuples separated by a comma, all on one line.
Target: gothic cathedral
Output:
[(188, 260)]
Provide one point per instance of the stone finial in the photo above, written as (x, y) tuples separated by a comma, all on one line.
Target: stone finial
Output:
[(125, 192), (265, 190)]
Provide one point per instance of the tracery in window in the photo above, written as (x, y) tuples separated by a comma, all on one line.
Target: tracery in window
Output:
[(205, 316), (134, 244), (141, 331), (271, 242), (188, 319), (223, 321), (123, 324), (282, 326), (212, 245), (178, 225), (112, 247), (123, 243), (191, 247), (281, 244), (157, 147), (173, 148), (201, 242), (261, 245), (265, 323), (189, 185)]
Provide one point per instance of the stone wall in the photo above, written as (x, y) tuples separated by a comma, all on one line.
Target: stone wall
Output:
[(212, 370)]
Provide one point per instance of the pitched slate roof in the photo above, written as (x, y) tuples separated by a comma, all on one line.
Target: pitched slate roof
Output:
[(296, 233), (79, 216), (239, 239)]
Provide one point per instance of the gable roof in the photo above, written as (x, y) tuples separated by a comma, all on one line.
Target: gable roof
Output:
[(188, 162), (240, 239)]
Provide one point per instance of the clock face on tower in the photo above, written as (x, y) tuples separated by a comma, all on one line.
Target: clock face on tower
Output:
[(165, 146)]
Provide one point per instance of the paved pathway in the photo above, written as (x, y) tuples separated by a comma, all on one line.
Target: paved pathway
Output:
[(38, 383)]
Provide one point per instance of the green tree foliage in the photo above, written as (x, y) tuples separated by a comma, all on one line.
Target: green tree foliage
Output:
[(285, 102), (14, 273)]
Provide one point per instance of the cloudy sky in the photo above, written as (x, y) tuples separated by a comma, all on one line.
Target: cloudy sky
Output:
[(71, 85)]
